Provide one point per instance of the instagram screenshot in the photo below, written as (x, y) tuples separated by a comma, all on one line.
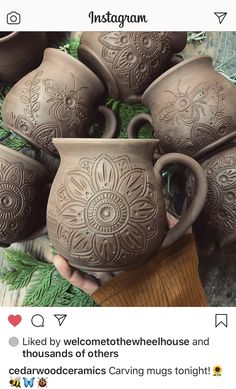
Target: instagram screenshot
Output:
[(117, 195)]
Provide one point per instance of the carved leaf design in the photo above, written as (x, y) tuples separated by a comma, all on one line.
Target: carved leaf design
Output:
[(105, 174), (199, 92), (142, 209), (225, 126), (24, 99), (226, 177), (15, 173), (114, 40), (3, 167), (138, 76), (150, 228), (80, 242), (123, 164), (224, 220), (126, 60), (108, 54), (133, 184), (72, 214), (167, 113), (77, 185), (62, 198), (133, 238), (106, 247), (202, 134)]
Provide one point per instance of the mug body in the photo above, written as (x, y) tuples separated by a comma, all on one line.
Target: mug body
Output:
[(20, 52), (106, 210), (55, 100), (219, 212), (127, 62), (24, 189), (192, 107)]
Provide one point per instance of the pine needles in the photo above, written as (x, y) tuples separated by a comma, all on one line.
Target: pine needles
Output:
[(45, 286)]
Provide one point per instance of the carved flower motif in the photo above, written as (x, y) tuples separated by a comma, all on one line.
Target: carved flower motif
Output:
[(107, 210), (136, 56), (68, 105), (187, 106), (15, 193)]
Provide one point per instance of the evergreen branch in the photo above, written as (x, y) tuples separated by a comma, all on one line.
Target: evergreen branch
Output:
[(16, 279), (75, 298), (18, 259)]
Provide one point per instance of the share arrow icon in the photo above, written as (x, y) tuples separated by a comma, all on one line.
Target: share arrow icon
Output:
[(61, 319), (220, 16)]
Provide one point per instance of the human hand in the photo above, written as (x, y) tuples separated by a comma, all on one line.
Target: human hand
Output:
[(90, 282)]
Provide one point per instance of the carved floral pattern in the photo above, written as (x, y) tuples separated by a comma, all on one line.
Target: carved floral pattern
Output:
[(67, 108), (187, 109), (15, 192), (136, 57), (106, 210)]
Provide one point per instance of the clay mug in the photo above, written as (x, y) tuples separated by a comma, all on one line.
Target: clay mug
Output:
[(58, 99), (106, 210), (219, 212), (127, 62), (20, 52), (192, 108), (24, 190)]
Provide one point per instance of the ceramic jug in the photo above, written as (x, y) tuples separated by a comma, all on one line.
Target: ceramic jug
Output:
[(192, 108), (127, 62), (20, 52), (58, 99), (106, 210)]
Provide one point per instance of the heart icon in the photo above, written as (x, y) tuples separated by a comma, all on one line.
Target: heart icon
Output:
[(14, 319)]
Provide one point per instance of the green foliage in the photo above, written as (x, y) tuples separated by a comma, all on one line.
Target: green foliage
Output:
[(196, 36), (46, 287), (70, 46), (126, 112)]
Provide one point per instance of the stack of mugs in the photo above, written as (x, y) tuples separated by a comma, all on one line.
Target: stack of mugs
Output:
[(106, 210)]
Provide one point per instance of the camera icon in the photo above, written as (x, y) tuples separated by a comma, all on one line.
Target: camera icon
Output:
[(13, 18)]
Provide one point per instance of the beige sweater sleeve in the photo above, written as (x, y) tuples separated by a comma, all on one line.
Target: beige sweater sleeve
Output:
[(169, 279)]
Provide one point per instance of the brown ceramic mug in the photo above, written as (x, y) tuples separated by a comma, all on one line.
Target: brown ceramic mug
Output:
[(20, 52), (58, 99), (127, 62), (106, 210), (192, 108), (24, 189), (219, 212)]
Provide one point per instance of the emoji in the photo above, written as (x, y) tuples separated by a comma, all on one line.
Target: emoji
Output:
[(217, 370)]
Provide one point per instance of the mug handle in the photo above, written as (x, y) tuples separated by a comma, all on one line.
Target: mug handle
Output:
[(136, 123), (111, 122), (191, 214)]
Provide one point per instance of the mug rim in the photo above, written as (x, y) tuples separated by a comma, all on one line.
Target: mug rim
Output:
[(9, 36), (24, 157), (172, 70), (64, 141), (72, 59)]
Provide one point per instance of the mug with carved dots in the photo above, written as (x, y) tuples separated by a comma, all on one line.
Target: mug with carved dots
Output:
[(106, 210)]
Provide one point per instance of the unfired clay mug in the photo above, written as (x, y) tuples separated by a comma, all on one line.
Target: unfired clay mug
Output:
[(20, 52), (24, 189), (58, 99), (192, 108), (127, 62), (219, 212), (106, 210)]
